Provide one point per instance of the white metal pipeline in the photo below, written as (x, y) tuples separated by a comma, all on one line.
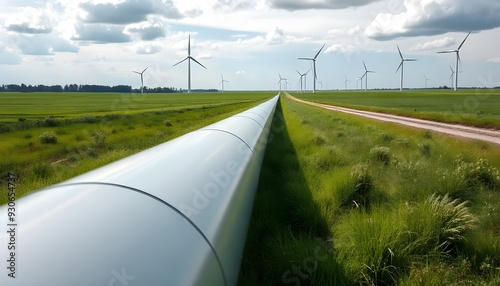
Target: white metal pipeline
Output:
[(175, 214)]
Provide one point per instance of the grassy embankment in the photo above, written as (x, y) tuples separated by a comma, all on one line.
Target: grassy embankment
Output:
[(348, 201), (100, 131), (479, 107)]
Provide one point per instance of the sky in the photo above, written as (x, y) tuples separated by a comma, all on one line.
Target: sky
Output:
[(250, 43)]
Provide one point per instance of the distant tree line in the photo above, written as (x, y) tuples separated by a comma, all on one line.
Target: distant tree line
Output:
[(83, 88)]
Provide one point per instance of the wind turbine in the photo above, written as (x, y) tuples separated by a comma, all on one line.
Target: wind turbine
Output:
[(401, 66), (457, 51), (304, 75), (366, 75), (451, 77), (222, 82), (189, 58), (426, 80), (345, 82), (281, 79), (300, 80), (321, 83), (314, 66), (142, 79), (357, 81)]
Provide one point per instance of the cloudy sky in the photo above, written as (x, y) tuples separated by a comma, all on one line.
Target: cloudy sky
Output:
[(249, 42)]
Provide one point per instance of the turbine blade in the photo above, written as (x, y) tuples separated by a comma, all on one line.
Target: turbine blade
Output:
[(136, 72), (298, 72), (464, 41), (400, 54), (411, 60), (198, 62), (307, 59), (145, 69), (400, 65), (181, 61), (319, 51), (189, 45), (446, 52), (365, 66)]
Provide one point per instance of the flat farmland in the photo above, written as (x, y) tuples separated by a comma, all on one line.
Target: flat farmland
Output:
[(48, 138), (67, 105), (479, 107)]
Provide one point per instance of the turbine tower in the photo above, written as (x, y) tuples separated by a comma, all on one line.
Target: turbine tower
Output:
[(401, 66), (189, 58), (365, 75), (142, 79), (315, 75), (345, 82), (222, 82), (457, 51)]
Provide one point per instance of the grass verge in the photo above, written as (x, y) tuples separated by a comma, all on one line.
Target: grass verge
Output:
[(344, 200), (479, 107)]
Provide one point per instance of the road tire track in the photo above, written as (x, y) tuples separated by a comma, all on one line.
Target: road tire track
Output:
[(492, 136)]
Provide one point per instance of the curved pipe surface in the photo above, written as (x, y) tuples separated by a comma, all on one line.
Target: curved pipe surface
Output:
[(175, 214)]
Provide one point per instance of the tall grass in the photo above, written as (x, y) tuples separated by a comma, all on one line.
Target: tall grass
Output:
[(386, 203)]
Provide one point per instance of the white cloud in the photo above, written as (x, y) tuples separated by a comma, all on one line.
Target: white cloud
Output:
[(153, 29), (127, 11), (275, 36), (494, 60), (232, 5), (292, 5), (30, 20), (145, 48), (42, 44), (7, 57), (204, 56), (240, 72), (100, 34), (434, 17), (436, 44), (341, 48)]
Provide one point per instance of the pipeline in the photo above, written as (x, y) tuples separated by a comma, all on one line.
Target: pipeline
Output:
[(175, 214)]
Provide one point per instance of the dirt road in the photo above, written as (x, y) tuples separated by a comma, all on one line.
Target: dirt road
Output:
[(450, 129)]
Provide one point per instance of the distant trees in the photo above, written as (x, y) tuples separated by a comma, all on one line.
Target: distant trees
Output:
[(83, 88)]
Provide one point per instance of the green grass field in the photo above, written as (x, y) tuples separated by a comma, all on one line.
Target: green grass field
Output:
[(67, 105), (97, 134), (472, 107), (344, 200)]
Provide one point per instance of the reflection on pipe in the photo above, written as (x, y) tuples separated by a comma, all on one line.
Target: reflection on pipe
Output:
[(175, 214)]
